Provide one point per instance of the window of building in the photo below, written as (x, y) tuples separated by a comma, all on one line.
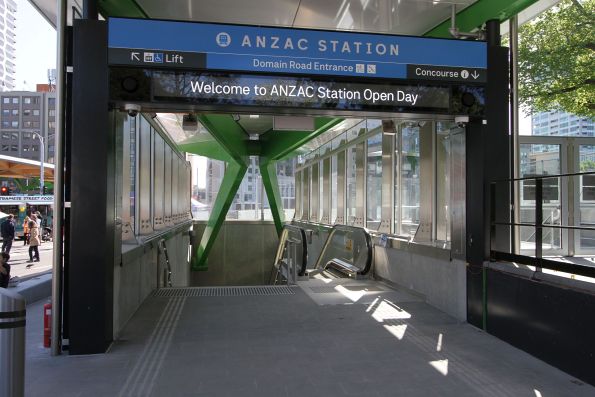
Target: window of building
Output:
[(35, 148), (27, 112), (5, 135), (14, 136), (14, 148), (5, 148), (52, 113), (52, 124), (26, 124), (15, 112), (26, 148), (15, 100), (35, 112), (5, 100), (5, 112), (27, 100), (14, 124)]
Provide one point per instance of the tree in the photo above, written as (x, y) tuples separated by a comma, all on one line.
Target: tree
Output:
[(557, 59)]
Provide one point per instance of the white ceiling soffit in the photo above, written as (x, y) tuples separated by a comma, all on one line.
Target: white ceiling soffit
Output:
[(48, 9), (409, 17), (529, 13)]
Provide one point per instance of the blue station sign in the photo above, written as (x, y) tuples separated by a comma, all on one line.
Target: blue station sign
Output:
[(190, 45)]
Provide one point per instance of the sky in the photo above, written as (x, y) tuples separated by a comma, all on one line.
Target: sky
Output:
[(35, 45)]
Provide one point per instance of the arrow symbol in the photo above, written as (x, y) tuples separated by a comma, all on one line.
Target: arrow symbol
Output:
[(134, 56), (475, 75)]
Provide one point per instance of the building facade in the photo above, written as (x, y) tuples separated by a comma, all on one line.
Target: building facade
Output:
[(556, 123), (8, 10), (23, 116)]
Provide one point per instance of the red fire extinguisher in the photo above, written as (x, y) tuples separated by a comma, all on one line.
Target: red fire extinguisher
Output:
[(47, 321)]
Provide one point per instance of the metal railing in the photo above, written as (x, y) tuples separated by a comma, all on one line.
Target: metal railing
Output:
[(162, 250), (347, 244), (539, 225), (288, 263)]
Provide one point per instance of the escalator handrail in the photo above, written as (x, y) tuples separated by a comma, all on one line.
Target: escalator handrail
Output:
[(347, 228), (282, 242)]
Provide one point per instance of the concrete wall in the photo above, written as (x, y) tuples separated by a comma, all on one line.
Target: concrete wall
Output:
[(243, 254), (427, 271), (424, 270), (141, 272)]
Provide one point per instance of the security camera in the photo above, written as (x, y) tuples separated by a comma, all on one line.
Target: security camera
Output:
[(461, 121), (132, 109)]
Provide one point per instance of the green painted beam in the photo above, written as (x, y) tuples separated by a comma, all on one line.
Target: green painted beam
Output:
[(268, 171), (234, 173), (121, 8), (479, 12), (205, 145), (278, 144), (229, 134)]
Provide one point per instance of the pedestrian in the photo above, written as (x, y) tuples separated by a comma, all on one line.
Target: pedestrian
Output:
[(26, 229), (39, 218), (4, 270), (34, 240), (7, 232)]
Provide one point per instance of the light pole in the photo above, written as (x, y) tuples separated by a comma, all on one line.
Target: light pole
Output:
[(41, 160)]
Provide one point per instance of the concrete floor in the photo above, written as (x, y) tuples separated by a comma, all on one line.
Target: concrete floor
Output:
[(328, 338)]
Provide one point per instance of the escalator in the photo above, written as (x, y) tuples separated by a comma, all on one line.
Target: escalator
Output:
[(347, 252)]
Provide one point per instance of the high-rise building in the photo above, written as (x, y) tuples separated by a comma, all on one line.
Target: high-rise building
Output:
[(8, 11), (23, 115), (250, 194), (556, 123)]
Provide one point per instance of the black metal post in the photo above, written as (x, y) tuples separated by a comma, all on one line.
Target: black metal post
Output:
[(492, 217), (90, 9), (538, 217)]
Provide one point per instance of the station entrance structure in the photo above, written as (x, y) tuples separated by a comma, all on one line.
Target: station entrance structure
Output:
[(127, 70)]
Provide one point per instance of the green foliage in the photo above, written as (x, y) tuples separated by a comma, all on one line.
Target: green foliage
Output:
[(587, 165), (557, 59)]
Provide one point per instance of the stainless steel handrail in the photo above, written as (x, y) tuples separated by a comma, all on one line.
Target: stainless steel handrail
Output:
[(162, 249)]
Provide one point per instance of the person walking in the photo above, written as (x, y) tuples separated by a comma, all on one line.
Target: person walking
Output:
[(34, 240), (7, 232), (26, 230), (4, 270)]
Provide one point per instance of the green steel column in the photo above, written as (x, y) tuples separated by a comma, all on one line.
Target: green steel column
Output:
[(268, 171), (230, 137), (234, 173)]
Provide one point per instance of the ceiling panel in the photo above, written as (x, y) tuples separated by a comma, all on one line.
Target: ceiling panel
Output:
[(253, 12), (411, 17)]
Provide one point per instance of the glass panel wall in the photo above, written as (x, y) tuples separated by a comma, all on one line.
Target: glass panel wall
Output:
[(374, 182), (536, 160), (333, 189), (443, 152), (410, 179), (351, 187), (586, 214), (422, 150)]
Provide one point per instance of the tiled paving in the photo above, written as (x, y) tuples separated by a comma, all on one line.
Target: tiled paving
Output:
[(362, 339)]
